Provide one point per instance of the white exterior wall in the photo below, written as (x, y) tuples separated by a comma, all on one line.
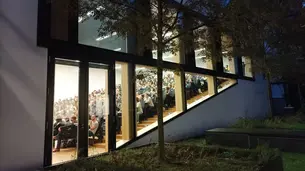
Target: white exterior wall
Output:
[(246, 99), (23, 74)]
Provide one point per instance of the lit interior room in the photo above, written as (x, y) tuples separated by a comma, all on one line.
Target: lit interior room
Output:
[(123, 112), (228, 63), (66, 110), (224, 83), (146, 97), (198, 88)]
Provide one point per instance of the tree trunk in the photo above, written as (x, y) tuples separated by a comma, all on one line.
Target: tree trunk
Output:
[(268, 78), (159, 83)]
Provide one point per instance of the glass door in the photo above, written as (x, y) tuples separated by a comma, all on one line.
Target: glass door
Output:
[(82, 110)]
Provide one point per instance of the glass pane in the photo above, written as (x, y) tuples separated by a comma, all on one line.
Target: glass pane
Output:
[(98, 108), (198, 88), (172, 97), (247, 66), (201, 59), (146, 98), (65, 111), (224, 83), (228, 63), (171, 54), (88, 35), (123, 117)]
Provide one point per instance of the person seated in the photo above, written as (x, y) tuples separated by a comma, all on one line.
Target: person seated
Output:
[(139, 110), (149, 105), (68, 131), (194, 90), (67, 120), (58, 123), (93, 125)]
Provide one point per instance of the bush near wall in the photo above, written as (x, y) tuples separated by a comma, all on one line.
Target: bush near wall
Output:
[(295, 122), (181, 157)]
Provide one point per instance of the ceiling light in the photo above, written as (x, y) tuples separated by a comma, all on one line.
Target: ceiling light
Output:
[(105, 37), (199, 50), (199, 57)]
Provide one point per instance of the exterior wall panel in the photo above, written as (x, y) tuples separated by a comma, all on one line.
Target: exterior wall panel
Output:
[(23, 72)]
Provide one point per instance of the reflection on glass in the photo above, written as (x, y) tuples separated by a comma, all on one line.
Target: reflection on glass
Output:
[(146, 99), (247, 66), (171, 54), (198, 88), (224, 83), (97, 108), (88, 35), (65, 112), (201, 59)]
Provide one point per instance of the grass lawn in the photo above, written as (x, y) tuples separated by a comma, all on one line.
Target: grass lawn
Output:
[(296, 122), (191, 155), (294, 162), (291, 161)]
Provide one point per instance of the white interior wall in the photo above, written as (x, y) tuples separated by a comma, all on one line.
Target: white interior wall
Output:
[(246, 99), (23, 72), (66, 80)]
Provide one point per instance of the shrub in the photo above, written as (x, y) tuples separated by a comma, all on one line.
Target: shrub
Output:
[(296, 122)]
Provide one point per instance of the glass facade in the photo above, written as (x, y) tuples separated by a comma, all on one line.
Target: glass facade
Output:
[(122, 101)]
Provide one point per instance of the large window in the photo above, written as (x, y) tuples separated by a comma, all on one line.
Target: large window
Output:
[(98, 108), (146, 98), (65, 111), (123, 104), (172, 94), (198, 88), (88, 35)]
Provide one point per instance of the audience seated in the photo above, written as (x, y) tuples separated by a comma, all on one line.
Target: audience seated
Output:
[(146, 102), (67, 131)]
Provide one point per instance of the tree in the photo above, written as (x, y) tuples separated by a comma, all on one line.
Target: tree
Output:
[(155, 23), (271, 32)]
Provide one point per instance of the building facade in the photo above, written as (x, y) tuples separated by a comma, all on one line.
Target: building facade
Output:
[(67, 92)]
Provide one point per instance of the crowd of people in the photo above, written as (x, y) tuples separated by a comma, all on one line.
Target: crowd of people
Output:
[(66, 110)]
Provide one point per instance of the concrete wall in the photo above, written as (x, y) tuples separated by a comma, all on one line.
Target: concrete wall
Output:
[(23, 71), (246, 99)]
